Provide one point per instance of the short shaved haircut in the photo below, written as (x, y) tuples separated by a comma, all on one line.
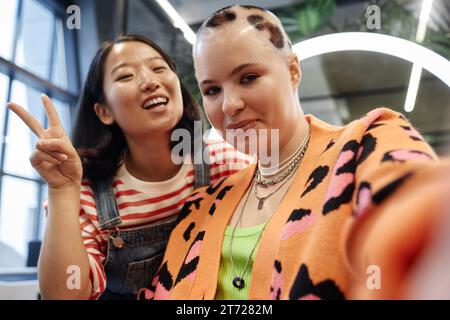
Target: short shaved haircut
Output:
[(261, 19)]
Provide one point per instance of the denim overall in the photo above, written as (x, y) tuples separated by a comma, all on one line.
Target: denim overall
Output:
[(133, 255)]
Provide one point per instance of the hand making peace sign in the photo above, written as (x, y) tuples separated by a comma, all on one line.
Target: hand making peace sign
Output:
[(55, 158)]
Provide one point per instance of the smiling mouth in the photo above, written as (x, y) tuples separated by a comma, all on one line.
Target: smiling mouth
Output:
[(155, 102), (243, 125)]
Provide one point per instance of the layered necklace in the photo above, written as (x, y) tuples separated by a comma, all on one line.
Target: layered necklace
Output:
[(287, 169)]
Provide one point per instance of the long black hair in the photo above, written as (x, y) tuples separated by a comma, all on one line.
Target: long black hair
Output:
[(101, 147)]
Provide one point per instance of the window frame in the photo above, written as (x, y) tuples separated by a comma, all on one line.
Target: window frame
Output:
[(29, 79)]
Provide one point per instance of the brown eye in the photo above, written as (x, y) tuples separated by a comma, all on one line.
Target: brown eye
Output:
[(249, 78), (211, 91), (123, 77), (159, 69)]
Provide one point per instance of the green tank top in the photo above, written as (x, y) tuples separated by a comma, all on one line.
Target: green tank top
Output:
[(243, 243)]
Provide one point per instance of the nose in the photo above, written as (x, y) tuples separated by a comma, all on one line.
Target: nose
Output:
[(148, 83), (232, 103)]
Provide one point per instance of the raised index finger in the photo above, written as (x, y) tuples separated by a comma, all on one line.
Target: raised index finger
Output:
[(52, 115), (29, 120)]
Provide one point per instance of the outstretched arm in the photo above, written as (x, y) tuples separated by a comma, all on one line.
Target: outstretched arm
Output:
[(401, 187)]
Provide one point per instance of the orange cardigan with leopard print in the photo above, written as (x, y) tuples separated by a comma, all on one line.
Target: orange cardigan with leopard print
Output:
[(365, 195)]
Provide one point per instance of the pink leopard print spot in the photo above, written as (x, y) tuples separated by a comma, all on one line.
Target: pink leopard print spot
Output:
[(372, 116), (294, 227), (216, 183), (344, 157), (195, 197), (360, 150), (403, 155), (277, 281), (161, 293), (364, 202), (194, 252), (148, 294), (338, 185), (310, 297), (341, 181)]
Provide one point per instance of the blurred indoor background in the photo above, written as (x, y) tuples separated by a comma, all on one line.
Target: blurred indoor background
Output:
[(40, 53)]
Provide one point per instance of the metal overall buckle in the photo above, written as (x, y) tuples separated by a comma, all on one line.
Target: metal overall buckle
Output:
[(117, 241)]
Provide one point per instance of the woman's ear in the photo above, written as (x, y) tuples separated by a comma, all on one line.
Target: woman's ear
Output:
[(104, 113), (294, 70)]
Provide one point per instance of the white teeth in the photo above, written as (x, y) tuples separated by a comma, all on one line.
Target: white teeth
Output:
[(154, 101)]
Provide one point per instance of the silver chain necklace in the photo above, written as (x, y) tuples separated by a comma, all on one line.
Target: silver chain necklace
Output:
[(238, 280), (262, 199), (289, 173), (292, 163)]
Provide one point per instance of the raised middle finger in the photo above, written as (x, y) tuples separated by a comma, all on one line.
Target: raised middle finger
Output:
[(52, 115)]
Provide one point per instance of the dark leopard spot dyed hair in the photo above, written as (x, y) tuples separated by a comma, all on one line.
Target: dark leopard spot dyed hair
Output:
[(226, 15), (276, 36), (220, 18)]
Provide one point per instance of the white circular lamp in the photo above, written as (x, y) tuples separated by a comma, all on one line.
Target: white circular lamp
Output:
[(365, 41)]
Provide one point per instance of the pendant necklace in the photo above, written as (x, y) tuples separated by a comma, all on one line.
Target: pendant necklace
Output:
[(238, 280)]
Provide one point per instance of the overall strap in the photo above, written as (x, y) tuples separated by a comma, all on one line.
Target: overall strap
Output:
[(105, 202), (201, 171)]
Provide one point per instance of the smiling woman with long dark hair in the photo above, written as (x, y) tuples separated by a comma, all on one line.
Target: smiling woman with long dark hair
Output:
[(115, 193)]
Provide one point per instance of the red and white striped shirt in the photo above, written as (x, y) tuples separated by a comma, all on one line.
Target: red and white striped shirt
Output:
[(141, 203)]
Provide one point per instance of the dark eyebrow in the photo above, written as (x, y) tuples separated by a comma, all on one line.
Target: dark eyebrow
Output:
[(124, 64), (234, 72), (242, 67)]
